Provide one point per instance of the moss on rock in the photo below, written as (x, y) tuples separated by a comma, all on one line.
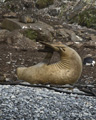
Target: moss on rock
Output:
[(36, 35), (31, 34), (87, 18)]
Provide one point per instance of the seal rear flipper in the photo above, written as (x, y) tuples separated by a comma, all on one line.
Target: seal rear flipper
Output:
[(20, 71)]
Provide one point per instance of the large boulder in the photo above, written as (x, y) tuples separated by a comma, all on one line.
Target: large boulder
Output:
[(16, 40), (40, 30), (11, 24)]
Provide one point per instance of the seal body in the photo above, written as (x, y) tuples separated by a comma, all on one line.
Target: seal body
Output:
[(65, 71)]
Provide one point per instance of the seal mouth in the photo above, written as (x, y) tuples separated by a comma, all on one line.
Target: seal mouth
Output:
[(46, 49), (49, 47)]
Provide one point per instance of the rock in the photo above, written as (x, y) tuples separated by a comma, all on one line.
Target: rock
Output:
[(3, 34), (11, 24), (44, 31), (22, 42), (90, 44), (68, 34), (17, 40), (43, 3), (75, 10), (75, 38), (62, 32), (94, 91), (2, 0), (35, 35), (10, 15), (72, 44), (31, 34), (69, 31), (93, 37)]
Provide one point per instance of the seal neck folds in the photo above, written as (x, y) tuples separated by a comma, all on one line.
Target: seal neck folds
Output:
[(62, 64)]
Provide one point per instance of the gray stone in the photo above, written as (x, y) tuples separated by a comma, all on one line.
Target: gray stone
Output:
[(16, 40), (75, 38), (46, 31), (11, 24), (10, 15), (63, 33), (93, 37)]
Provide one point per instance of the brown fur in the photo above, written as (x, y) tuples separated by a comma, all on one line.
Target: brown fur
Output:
[(65, 71)]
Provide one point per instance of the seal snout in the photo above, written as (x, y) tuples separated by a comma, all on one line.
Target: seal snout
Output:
[(51, 47)]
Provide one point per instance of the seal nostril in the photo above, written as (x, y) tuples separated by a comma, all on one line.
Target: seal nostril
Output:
[(63, 49)]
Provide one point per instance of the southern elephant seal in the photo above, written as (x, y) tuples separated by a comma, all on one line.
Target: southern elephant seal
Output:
[(66, 71)]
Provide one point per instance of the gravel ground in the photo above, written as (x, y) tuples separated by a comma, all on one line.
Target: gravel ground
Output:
[(24, 103)]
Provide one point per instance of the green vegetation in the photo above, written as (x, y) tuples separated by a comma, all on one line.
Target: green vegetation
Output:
[(87, 18), (31, 34), (43, 3), (63, 8), (11, 7)]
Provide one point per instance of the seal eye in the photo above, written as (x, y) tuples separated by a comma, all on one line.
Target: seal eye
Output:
[(63, 49)]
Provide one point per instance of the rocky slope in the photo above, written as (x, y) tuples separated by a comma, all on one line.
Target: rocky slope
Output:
[(23, 23)]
